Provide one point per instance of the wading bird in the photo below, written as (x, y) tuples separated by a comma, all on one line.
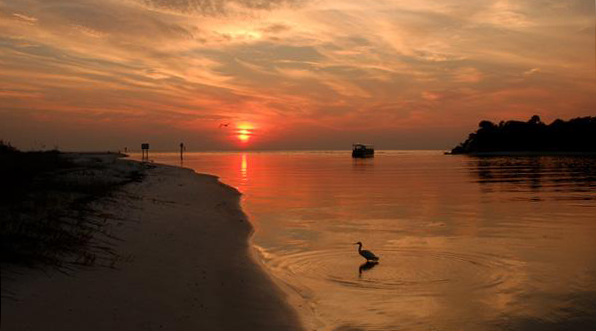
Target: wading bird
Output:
[(368, 255)]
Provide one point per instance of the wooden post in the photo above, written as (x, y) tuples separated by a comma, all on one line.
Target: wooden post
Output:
[(182, 149)]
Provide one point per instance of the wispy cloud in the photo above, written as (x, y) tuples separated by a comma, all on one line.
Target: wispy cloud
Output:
[(185, 64)]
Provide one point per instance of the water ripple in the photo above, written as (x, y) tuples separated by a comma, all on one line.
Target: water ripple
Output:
[(407, 270)]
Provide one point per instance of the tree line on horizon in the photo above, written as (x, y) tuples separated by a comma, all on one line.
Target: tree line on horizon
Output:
[(575, 135)]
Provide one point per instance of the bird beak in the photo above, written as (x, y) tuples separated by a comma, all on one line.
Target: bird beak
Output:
[(355, 244)]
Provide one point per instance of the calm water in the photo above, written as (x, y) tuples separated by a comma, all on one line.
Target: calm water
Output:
[(500, 243)]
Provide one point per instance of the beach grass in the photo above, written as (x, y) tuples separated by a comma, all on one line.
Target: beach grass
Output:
[(48, 217)]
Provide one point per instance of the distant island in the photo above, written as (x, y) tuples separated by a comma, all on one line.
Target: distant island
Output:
[(577, 135)]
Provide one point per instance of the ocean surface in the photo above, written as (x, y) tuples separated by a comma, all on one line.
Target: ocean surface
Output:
[(465, 243)]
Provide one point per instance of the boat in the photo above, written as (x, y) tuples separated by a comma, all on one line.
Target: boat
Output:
[(363, 150)]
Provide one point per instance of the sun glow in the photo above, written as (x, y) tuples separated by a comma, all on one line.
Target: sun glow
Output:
[(243, 135), (244, 132)]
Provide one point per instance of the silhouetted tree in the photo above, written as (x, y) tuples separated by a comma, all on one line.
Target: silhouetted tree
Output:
[(6, 147), (575, 135), (534, 120)]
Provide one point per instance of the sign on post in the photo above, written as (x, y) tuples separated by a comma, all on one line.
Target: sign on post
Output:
[(145, 152)]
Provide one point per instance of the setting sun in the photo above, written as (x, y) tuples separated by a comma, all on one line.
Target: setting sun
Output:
[(244, 132), (243, 135)]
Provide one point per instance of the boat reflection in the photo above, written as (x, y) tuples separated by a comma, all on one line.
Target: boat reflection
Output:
[(363, 164)]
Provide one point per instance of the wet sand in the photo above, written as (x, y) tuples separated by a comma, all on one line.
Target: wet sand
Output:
[(185, 264)]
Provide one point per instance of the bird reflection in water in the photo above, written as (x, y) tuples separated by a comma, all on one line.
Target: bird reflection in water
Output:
[(366, 266)]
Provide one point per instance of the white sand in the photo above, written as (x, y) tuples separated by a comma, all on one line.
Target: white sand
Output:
[(187, 266)]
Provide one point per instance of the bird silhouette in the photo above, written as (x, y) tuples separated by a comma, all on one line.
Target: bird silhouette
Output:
[(368, 255), (222, 125)]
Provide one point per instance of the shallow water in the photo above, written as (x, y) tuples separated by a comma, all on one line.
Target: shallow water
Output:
[(493, 243)]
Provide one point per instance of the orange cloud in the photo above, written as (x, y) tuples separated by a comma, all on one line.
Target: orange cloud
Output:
[(334, 67)]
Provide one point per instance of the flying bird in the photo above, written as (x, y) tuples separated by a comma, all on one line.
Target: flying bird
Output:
[(368, 255), (224, 125)]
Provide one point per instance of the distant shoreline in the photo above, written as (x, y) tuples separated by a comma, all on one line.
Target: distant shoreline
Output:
[(524, 153), (573, 137)]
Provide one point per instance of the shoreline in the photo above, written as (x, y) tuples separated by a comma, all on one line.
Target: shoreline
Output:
[(200, 272), (293, 295)]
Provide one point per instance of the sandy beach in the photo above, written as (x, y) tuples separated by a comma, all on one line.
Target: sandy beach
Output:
[(184, 263)]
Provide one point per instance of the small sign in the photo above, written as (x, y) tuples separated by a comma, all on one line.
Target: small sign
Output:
[(145, 152)]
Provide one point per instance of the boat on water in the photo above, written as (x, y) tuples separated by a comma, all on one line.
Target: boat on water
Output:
[(363, 150)]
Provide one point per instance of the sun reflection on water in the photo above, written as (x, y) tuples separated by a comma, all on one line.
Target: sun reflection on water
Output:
[(244, 168)]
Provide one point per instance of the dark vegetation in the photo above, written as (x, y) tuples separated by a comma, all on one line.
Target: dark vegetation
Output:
[(574, 136), (48, 207)]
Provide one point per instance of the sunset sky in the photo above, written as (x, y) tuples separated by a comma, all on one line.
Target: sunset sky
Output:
[(287, 74)]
